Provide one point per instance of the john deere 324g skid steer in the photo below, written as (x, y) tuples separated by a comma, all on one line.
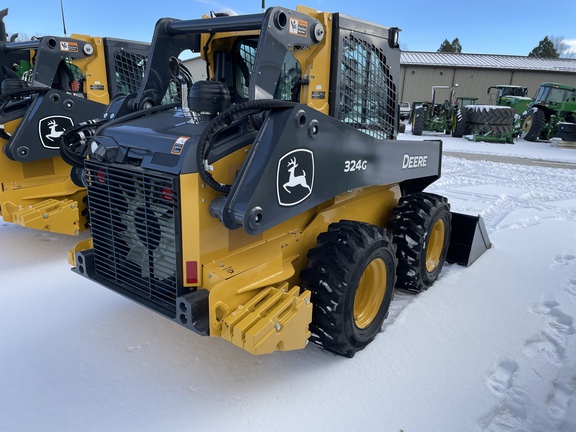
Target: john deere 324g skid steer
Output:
[(70, 80), (274, 206)]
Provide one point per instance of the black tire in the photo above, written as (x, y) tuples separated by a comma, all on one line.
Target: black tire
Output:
[(493, 115), (533, 123), (418, 121), (493, 129), (459, 124), (351, 274), (421, 226)]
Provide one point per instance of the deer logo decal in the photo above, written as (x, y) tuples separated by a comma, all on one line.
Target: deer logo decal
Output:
[(295, 177), (50, 129)]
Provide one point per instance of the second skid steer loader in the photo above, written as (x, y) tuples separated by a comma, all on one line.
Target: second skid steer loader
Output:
[(71, 80)]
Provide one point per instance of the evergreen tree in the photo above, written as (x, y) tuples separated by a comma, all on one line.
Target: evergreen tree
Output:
[(456, 46), (450, 47), (545, 49), (445, 46)]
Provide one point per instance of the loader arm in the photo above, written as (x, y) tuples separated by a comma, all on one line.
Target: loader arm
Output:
[(330, 165)]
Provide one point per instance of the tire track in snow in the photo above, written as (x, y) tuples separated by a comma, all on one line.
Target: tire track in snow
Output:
[(399, 302), (515, 188), (495, 215), (523, 197), (515, 410)]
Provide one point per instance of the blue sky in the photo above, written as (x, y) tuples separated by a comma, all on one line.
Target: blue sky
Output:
[(487, 27)]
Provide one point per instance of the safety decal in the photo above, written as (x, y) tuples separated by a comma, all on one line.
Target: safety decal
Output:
[(69, 46), (295, 177), (298, 27), (179, 145), (50, 128)]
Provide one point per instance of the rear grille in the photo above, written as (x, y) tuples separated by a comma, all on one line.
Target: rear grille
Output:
[(134, 215)]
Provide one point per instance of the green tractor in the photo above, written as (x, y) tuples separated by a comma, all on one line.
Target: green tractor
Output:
[(432, 116), (458, 125), (554, 104), (510, 95)]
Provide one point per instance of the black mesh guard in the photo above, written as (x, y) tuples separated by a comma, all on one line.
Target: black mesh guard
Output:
[(126, 64), (134, 218), (367, 92), (129, 71)]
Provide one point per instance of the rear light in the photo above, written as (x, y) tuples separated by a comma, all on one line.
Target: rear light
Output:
[(167, 194), (191, 272)]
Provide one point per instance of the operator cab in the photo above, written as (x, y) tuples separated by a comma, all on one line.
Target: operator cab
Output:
[(551, 94), (234, 68), (512, 91)]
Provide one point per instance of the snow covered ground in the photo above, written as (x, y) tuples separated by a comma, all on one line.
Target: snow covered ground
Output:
[(491, 347)]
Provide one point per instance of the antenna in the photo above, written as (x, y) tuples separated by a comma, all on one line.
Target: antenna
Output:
[(263, 5), (63, 22)]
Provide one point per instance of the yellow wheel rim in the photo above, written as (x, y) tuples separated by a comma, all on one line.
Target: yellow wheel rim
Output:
[(370, 293), (527, 124), (435, 245)]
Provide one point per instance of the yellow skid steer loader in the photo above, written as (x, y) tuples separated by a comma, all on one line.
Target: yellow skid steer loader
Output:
[(274, 206)]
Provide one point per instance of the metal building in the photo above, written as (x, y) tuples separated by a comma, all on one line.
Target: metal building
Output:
[(474, 73)]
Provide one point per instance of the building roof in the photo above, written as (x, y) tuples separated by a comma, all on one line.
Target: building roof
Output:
[(490, 61)]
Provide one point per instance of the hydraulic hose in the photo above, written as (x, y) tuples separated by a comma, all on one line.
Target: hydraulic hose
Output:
[(74, 141), (223, 120)]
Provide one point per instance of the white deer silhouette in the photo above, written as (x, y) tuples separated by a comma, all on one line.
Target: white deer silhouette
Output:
[(294, 179), (53, 132)]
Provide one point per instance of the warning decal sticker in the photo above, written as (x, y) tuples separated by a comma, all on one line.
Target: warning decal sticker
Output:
[(179, 145), (69, 46), (298, 27)]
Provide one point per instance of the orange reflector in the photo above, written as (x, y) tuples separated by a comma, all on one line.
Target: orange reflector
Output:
[(191, 272)]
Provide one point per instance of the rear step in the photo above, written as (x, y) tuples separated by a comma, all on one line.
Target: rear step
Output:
[(469, 239)]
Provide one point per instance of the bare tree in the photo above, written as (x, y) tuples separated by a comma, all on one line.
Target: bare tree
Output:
[(22, 37), (562, 47)]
